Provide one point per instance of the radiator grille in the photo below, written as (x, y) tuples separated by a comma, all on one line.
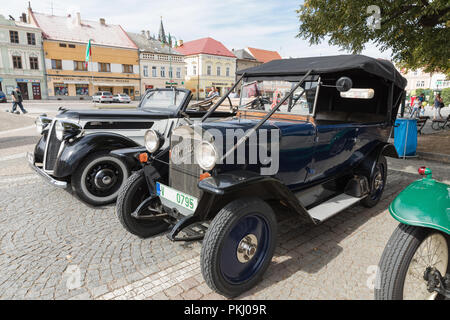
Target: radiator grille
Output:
[(53, 145)]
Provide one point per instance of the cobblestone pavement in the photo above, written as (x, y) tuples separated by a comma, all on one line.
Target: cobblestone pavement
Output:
[(52, 246)]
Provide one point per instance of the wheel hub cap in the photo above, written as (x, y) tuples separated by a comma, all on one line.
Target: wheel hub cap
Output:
[(247, 248), (378, 181), (104, 178)]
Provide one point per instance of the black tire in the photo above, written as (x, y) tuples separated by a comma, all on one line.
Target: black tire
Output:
[(435, 125), (396, 258), (87, 190), (130, 197), (376, 192), (224, 222)]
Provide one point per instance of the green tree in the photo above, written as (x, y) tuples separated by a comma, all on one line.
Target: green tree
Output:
[(445, 94), (417, 31)]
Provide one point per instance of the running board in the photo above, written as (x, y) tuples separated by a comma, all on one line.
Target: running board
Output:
[(333, 206)]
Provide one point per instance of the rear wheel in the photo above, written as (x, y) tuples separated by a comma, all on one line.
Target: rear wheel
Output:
[(238, 246), (133, 193), (99, 177), (408, 254), (377, 183)]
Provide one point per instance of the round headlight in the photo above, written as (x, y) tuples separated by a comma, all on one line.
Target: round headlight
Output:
[(59, 130), (152, 141), (206, 155)]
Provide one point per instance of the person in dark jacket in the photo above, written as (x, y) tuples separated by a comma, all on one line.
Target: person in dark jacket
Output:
[(17, 101)]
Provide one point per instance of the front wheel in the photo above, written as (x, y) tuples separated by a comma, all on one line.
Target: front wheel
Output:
[(99, 177), (238, 246), (404, 262), (133, 193)]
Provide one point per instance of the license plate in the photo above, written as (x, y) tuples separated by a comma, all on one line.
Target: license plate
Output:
[(178, 197)]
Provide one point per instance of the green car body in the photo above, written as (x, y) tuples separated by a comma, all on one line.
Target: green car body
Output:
[(424, 203)]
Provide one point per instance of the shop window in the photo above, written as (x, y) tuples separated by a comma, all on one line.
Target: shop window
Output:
[(56, 64), (61, 89), (154, 73), (104, 67), (82, 89), (80, 66), (127, 68), (34, 65), (17, 62), (14, 36), (31, 38)]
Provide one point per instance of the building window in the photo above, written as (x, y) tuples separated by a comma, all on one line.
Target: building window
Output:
[(34, 65), (31, 38), (82, 89), (163, 72), (218, 71), (154, 74), (208, 70), (17, 62), (170, 73), (80, 66), (72, 46), (178, 73), (420, 84), (14, 36), (104, 67), (145, 71), (194, 70), (127, 68), (63, 45), (56, 64), (228, 72), (61, 89)]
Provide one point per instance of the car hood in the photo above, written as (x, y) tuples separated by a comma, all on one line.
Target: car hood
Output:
[(128, 114)]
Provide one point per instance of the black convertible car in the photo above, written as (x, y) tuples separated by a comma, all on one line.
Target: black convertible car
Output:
[(317, 149)]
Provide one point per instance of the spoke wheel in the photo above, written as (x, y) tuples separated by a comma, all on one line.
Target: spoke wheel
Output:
[(377, 183)]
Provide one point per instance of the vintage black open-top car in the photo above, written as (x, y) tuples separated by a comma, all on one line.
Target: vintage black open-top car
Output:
[(75, 146), (317, 149)]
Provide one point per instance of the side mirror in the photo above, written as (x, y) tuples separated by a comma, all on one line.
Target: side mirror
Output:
[(344, 84)]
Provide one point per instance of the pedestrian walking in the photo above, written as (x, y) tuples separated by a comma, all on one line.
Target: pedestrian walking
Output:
[(438, 105), (17, 101), (416, 107)]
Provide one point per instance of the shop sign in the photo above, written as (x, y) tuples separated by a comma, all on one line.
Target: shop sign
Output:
[(28, 80)]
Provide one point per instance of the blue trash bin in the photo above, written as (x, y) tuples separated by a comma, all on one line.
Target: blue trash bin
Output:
[(405, 137)]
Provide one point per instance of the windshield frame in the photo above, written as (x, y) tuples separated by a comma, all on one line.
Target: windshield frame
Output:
[(176, 109)]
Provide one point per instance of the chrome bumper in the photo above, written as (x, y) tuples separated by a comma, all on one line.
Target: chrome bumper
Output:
[(45, 175)]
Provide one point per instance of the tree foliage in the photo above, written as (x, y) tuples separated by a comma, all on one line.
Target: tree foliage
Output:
[(417, 31), (445, 94)]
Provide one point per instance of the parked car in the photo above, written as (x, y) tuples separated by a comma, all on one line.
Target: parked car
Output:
[(102, 96), (121, 98), (325, 152), (2, 97), (75, 146), (415, 263)]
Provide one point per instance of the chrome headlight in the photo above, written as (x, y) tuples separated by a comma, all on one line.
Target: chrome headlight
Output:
[(65, 130), (206, 155), (42, 123), (152, 141)]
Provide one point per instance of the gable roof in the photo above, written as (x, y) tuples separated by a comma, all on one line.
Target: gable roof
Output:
[(264, 55), (206, 46), (151, 45), (66, 28)]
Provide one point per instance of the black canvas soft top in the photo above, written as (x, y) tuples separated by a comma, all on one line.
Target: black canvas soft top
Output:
[(292, 69)]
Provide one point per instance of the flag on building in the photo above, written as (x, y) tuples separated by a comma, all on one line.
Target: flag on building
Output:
[(88, 52)]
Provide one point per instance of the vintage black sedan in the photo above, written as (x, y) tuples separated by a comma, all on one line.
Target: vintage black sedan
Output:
[(75, 146), (317, 149)]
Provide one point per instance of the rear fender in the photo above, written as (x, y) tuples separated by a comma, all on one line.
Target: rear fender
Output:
[(367, 166), (424, 203), (73, 153), (223, 188)]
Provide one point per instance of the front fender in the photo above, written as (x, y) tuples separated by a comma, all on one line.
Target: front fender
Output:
[(74, 152), (237, 184), (424, 203)]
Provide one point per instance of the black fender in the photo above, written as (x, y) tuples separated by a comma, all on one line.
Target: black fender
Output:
[(74, 152), (130, 155), (39, 149), (367, 166), (223, 188)]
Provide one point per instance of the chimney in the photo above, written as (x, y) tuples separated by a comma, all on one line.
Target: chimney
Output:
[(148, 34), (23, 18), (103, 21), (78, 20), (180, 43)]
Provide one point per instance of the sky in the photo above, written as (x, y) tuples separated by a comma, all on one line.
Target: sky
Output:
[(265, 24)]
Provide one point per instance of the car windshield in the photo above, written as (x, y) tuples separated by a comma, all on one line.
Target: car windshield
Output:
[(265, 95), (163, 99)]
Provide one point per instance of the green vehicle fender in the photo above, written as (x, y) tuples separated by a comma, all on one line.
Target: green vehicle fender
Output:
[(424, 203)]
